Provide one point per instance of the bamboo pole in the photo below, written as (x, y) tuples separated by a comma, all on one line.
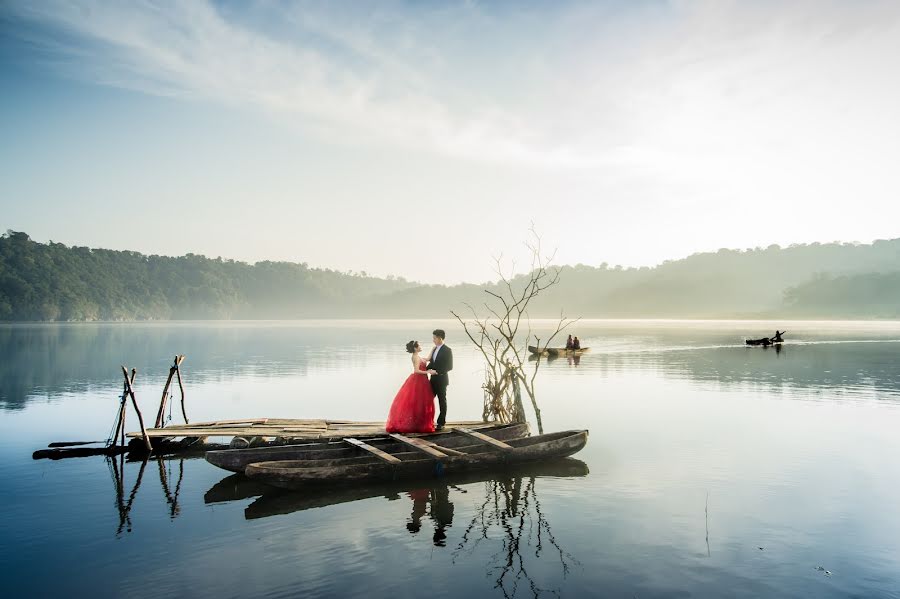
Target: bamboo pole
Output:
[(178, 362), (120, 420), (165, 396), (130, 390)]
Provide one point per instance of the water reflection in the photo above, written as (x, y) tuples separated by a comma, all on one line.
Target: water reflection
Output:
[(167, 475), (53, 360), (860, 367), (508, 522), (511, 520)]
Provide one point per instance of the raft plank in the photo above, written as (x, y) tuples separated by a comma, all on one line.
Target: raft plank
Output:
[(484, 438), (429, 447), (373, 450)]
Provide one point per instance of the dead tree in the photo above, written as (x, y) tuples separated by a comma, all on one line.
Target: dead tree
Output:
[(502, 334)]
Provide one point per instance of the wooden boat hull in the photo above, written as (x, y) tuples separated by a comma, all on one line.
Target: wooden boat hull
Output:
[(298, 474), (556, 351), (278, 502), (764, 342), (235, 460)]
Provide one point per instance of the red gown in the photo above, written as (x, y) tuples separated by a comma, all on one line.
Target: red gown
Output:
[(413, 407)]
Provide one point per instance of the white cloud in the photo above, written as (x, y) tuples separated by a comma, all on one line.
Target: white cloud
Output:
[(675, 89)]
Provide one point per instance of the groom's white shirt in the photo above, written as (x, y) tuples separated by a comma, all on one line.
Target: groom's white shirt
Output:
[(435, 352)]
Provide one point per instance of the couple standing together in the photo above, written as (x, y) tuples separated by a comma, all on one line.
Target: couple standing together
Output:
[(413, 407)]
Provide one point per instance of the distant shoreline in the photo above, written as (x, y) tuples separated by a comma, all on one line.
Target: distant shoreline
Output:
[(636, 320)]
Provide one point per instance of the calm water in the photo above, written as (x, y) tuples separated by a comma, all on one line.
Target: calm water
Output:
[(712, 470)]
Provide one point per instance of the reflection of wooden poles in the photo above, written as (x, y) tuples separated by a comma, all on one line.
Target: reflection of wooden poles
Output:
[(173, 372), (130, 391), (123, 507), (172, 499)]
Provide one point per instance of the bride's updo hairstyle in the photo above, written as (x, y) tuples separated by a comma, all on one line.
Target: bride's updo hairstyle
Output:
[(411, 347)]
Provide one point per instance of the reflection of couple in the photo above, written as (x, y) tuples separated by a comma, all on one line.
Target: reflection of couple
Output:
[(413, 407), (441, 512)]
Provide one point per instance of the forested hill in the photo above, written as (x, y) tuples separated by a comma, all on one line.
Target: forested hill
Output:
[(52, 281)]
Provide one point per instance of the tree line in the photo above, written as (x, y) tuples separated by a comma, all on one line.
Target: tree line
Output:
[(55, 282)]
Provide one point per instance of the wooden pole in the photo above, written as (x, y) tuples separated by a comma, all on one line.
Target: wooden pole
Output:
[(178, 362), (125, 403), (120, 419), (130, 390), (165, 395)]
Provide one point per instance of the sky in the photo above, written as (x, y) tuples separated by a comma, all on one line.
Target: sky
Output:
[(423, 139)]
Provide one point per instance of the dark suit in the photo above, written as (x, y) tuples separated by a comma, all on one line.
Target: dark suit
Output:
[(442, 364)]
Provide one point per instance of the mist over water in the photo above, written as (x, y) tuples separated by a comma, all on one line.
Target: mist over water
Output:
[(712, 469)]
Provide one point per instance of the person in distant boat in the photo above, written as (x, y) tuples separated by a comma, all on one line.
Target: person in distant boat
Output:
[(440, 364), (570, 343), (576, 344), (777, 338), (412, 410)]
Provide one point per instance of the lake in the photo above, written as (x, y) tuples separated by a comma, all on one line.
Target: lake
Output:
[(712, 469)]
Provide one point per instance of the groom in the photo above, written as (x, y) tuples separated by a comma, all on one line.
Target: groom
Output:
[(441, 363)]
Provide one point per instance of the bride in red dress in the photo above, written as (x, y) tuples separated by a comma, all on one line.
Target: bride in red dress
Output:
[(413, 407)]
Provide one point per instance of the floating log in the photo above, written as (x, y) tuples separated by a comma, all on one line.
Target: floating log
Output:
[(59, 453), (72, 443)]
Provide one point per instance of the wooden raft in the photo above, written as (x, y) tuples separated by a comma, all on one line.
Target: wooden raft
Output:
[(287, 428)]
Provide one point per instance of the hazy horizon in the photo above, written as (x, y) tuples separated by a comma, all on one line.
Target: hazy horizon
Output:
[(492, 280), (421, 139)]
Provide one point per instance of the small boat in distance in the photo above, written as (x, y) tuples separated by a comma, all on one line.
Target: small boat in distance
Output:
[(424, 461), (556, 351), (767, 341)]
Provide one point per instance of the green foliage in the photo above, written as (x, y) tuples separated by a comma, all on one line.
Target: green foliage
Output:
[(54, 282)]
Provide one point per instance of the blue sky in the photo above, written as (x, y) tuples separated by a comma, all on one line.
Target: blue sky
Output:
[(365, 136)]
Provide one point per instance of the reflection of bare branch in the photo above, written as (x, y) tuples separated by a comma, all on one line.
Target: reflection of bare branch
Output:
[(514, 512)]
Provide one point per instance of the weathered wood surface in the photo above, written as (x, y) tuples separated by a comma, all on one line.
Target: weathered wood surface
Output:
[(426, 447), (301, 474), (178, 362), (235, 460), (272, 427), (373, 450), (130, 391), (484, 438), (165, 397)]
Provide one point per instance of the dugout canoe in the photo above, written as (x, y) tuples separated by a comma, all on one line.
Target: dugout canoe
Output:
[(764, 342), (481, 452), (235, 460), (276, 502), (556, 351)]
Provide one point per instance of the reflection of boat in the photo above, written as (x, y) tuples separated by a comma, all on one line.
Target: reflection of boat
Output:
[(236, 460), (378, 465), (274, 502), (556, 351), (234, 488)]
